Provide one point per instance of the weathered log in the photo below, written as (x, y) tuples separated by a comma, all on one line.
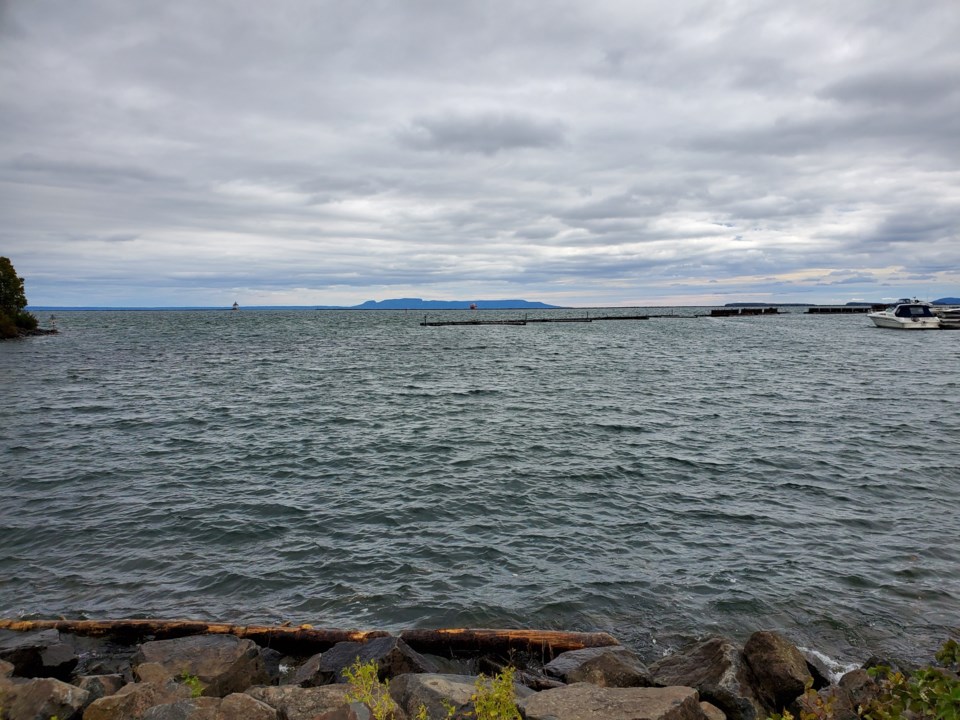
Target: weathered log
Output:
[(467, 641), (298, 640), (307, 640)]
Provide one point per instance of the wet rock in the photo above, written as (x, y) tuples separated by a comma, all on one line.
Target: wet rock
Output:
[(100, 685), (297, 703), (614, 666), (392, 655), (38, 654), (224, 664), (583, 701), (272, 662), (779, 669), (716, 669), (103, 657), (309, 673), (44, 698), (133, 700)]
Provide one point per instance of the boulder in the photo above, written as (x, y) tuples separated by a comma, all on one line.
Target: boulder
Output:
[(37, 654), (297, 703), (392, 655), (435, 692), (711, 711), (6, 669), (860, 686), (44, 698), (240, 706), (779, 669), (440, 693), (273, 664), (716, 669), (583, 701), (133, 700), (100, 685), (201, 708), (613, 666), (224, 664), (353, 711), (832, 701)]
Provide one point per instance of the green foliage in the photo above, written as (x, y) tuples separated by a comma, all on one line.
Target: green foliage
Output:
[(366, 687), (192, 682), (12, 297), (12, 302), (494, 698), (949, 654)]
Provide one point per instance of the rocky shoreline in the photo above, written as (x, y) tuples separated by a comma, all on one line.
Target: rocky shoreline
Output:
[(48, 673)]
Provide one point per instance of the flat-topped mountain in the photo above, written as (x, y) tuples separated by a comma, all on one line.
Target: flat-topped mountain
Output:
[(420, 304)]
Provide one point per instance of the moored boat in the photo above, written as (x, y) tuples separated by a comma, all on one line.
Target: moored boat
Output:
[(906, 314)]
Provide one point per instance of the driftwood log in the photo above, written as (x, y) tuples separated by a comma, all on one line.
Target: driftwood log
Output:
[(306, 639)]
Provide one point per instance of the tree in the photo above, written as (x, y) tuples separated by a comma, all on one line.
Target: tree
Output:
[(13, 300)]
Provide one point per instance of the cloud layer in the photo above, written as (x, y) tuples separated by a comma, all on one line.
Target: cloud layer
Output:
[(620, 153)]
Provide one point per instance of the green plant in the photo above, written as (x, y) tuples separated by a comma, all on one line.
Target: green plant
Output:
[(949, 653), (494, 698), (366, 687), (192, 682)]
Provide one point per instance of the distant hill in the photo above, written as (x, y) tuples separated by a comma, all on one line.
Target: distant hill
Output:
[(947, 301), (420, 304)]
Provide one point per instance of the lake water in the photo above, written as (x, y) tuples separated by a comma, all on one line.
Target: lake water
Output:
[(661, 480)]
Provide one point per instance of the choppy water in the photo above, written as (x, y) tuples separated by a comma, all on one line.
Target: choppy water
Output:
[(658, 479)]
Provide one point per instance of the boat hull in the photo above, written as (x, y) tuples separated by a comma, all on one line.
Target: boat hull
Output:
[(895, 323)]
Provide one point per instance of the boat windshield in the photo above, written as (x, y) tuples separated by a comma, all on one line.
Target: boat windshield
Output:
[(913, 311)]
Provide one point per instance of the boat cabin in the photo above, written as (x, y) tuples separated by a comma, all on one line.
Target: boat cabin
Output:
[(913, 311)]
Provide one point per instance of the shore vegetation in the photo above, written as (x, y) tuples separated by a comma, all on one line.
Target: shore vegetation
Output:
[(14, 320)]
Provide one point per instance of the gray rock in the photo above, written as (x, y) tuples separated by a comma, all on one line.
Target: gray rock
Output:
[(297, 703), (613, 666), (100, 685), (37, 654), (224, 664), (43, 698), (133, 700), (779, 669), (392, 655), (716, 669), (6, 669), (272, 660), (584, 701)]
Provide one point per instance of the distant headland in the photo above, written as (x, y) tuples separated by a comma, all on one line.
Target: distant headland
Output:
[(420, 304)]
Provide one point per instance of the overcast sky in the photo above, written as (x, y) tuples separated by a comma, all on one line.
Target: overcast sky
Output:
[(197, 152)]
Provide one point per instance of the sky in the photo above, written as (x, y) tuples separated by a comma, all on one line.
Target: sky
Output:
[(641, 152)]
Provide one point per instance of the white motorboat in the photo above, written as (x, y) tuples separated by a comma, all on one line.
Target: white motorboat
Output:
[(906, 314)]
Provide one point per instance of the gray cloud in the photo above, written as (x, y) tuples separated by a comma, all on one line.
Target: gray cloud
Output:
[(486, 133), (321, 153)]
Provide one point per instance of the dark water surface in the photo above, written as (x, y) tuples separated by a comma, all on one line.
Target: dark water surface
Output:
[(659, 479)]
